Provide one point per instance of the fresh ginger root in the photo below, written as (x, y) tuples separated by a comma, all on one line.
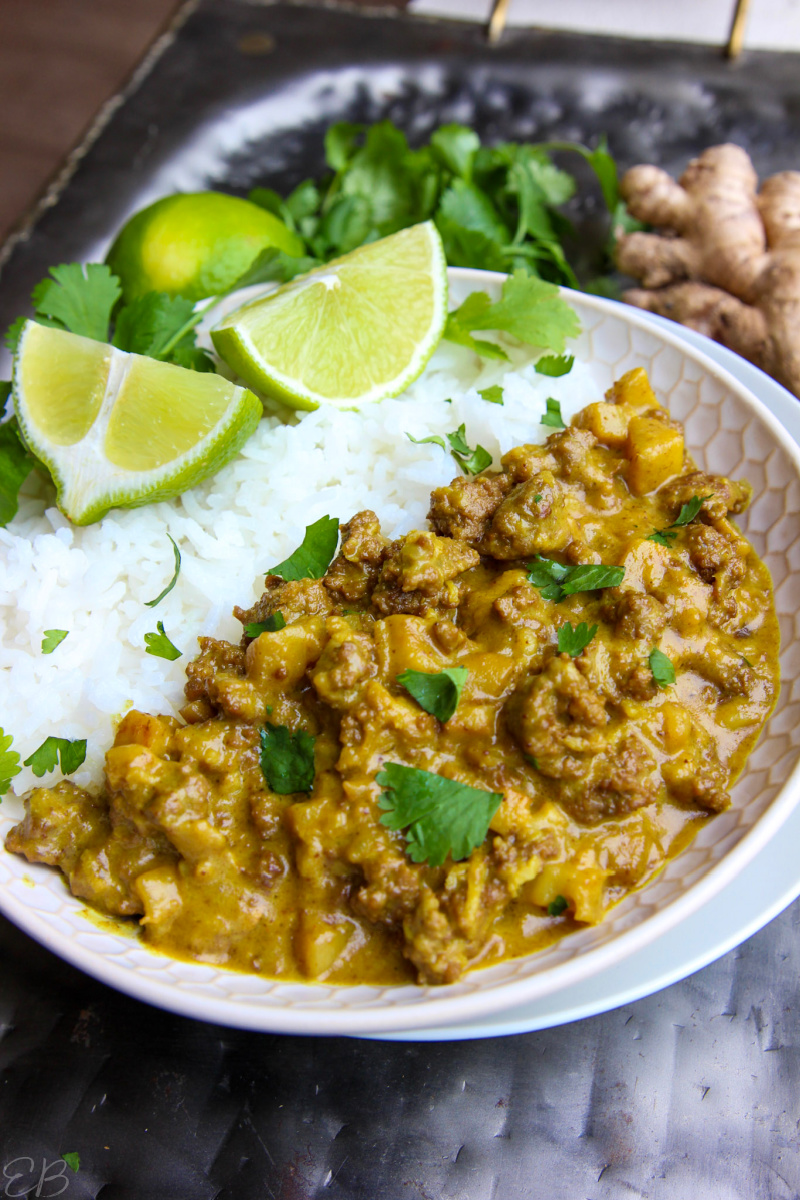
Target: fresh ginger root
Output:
[(726, 259)]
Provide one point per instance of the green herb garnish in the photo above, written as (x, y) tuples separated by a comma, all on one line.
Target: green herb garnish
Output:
[(470, 461), (556, 907), (555, 365), (72, 1160), (530, 310), (493, 394), (287, 759), (665, 537), (53, 638), (159, 645), (16, 463), (438, 692), (661, 667), (439, 815), (9, 762), (574, 641), (315, 553), (553, 415), (555, 580), (173, 581), (273, 624), (434, 439), (54, 751)]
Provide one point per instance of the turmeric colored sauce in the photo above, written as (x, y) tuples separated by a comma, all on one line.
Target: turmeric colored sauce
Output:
[(608, 758)]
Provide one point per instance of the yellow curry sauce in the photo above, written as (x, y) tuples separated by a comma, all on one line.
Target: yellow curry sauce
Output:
[(604, 770)]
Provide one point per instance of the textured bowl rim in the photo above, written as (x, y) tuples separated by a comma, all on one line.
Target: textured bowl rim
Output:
[(442, 1005)]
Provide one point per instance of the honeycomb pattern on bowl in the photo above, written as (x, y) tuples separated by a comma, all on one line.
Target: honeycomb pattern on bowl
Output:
[(729, 432)]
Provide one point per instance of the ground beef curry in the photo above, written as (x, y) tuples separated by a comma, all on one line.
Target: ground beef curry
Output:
[(606, 714)]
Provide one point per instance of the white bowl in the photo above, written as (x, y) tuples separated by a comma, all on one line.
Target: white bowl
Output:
[(729, 431)]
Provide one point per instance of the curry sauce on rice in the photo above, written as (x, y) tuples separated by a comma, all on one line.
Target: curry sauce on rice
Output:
[(455, 745)]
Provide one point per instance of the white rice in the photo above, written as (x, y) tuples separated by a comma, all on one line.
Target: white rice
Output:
[(94, 581)]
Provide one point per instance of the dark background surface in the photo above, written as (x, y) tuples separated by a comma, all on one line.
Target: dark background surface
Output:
[(690, 1094)]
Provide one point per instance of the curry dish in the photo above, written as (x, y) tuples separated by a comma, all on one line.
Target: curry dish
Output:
[(599, 752)]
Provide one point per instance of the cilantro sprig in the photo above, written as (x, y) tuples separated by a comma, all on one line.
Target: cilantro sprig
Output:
[(472, 462), (9, 762), (574, 641), (689, 511), (496, 207), (56, 751), (440, 816), (492, 395), (177, 556), (530, 310), (159, 645), (555, 580), (286, 759), (315, 553), (438, 692)]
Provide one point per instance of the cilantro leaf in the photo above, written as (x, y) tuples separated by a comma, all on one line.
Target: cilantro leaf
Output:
[(434, 438), (493, 394), (555, 580), (16, 463), (315, 553), (5, 392), (440, 816), (555, 365), (556, 907), (574, 641), (455, 332), (456, 146), (689, 511), (79, 297), (341, 141), (14, 333), (287, 759), (438, 692), (159, 645), (472, 462), (53, 638), (72, 1160), (530, 310), (273, 624), (552, 416), (665, 537), (54, 751), (9, 762), (661, 667), (162, 327), (177, 555)]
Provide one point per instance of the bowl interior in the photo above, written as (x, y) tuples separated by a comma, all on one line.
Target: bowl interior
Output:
[(728, 432)]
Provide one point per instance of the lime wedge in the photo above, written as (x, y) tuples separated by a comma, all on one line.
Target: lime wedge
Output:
[(119, 429), (356, 330)]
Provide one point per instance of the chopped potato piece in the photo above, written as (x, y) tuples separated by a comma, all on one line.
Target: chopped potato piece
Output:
[(655, 451), (633, 388)]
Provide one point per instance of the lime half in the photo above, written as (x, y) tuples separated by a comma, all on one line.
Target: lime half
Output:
[(356, 330), (119, 429), (195, 244)]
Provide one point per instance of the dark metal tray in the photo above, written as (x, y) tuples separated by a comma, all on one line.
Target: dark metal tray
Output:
[(690, 1093)]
